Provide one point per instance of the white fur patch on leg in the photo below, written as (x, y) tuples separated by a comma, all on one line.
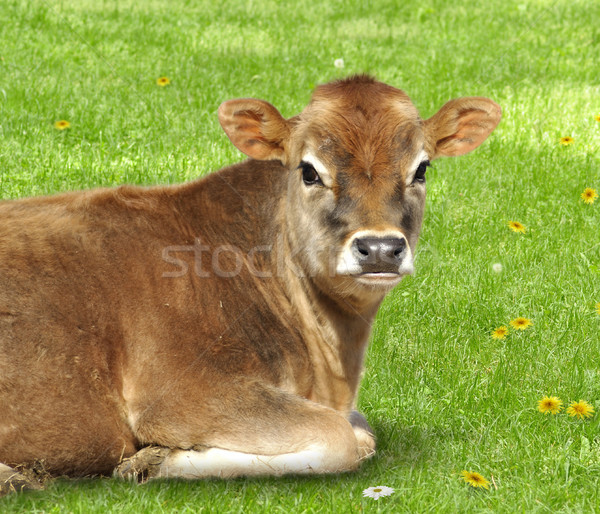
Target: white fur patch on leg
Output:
[(216, 462)]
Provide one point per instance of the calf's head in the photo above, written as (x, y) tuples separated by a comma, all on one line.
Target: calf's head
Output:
[(356, 159)]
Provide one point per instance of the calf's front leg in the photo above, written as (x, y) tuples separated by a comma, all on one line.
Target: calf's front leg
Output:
[(285, 434)]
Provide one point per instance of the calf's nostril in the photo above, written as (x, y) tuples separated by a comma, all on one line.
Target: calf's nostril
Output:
[(362, 247), (400, 247)]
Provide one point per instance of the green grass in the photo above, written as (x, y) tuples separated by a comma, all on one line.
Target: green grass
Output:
[(442, 395)]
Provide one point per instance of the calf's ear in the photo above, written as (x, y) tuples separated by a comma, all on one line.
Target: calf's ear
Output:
[(461, 125), (255, 127)]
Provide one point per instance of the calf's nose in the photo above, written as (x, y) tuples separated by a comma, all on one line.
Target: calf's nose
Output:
[(380, 250)]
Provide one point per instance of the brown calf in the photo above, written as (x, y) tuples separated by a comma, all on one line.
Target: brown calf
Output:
[(223, 320)]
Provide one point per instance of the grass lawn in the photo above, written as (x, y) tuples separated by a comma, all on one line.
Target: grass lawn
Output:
[(442, 395)]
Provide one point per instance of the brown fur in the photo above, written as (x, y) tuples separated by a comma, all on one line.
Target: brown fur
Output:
[(113, 337)]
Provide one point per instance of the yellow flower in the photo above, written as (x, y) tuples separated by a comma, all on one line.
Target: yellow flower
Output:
[(500, 333), (163, 81), (598, 307), (567, 140), (61, 125), (520, 323), (550, 404), (515, 226), (475, 479), (581, 409), (597, 117), (589, 195)]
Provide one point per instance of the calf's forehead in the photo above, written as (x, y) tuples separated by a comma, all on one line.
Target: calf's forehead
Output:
[(366, 126)]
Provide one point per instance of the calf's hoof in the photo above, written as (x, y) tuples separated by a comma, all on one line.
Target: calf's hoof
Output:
[(364, 435), (143, 465), (11, 481)]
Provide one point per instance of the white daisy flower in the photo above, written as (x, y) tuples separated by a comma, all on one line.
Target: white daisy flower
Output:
[(377, 492), (338, 63)]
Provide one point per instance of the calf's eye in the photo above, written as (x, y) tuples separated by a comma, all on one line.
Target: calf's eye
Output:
[(420, 173), (309, 174)]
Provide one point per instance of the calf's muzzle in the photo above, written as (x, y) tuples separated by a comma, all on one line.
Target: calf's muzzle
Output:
[(379, 254)]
